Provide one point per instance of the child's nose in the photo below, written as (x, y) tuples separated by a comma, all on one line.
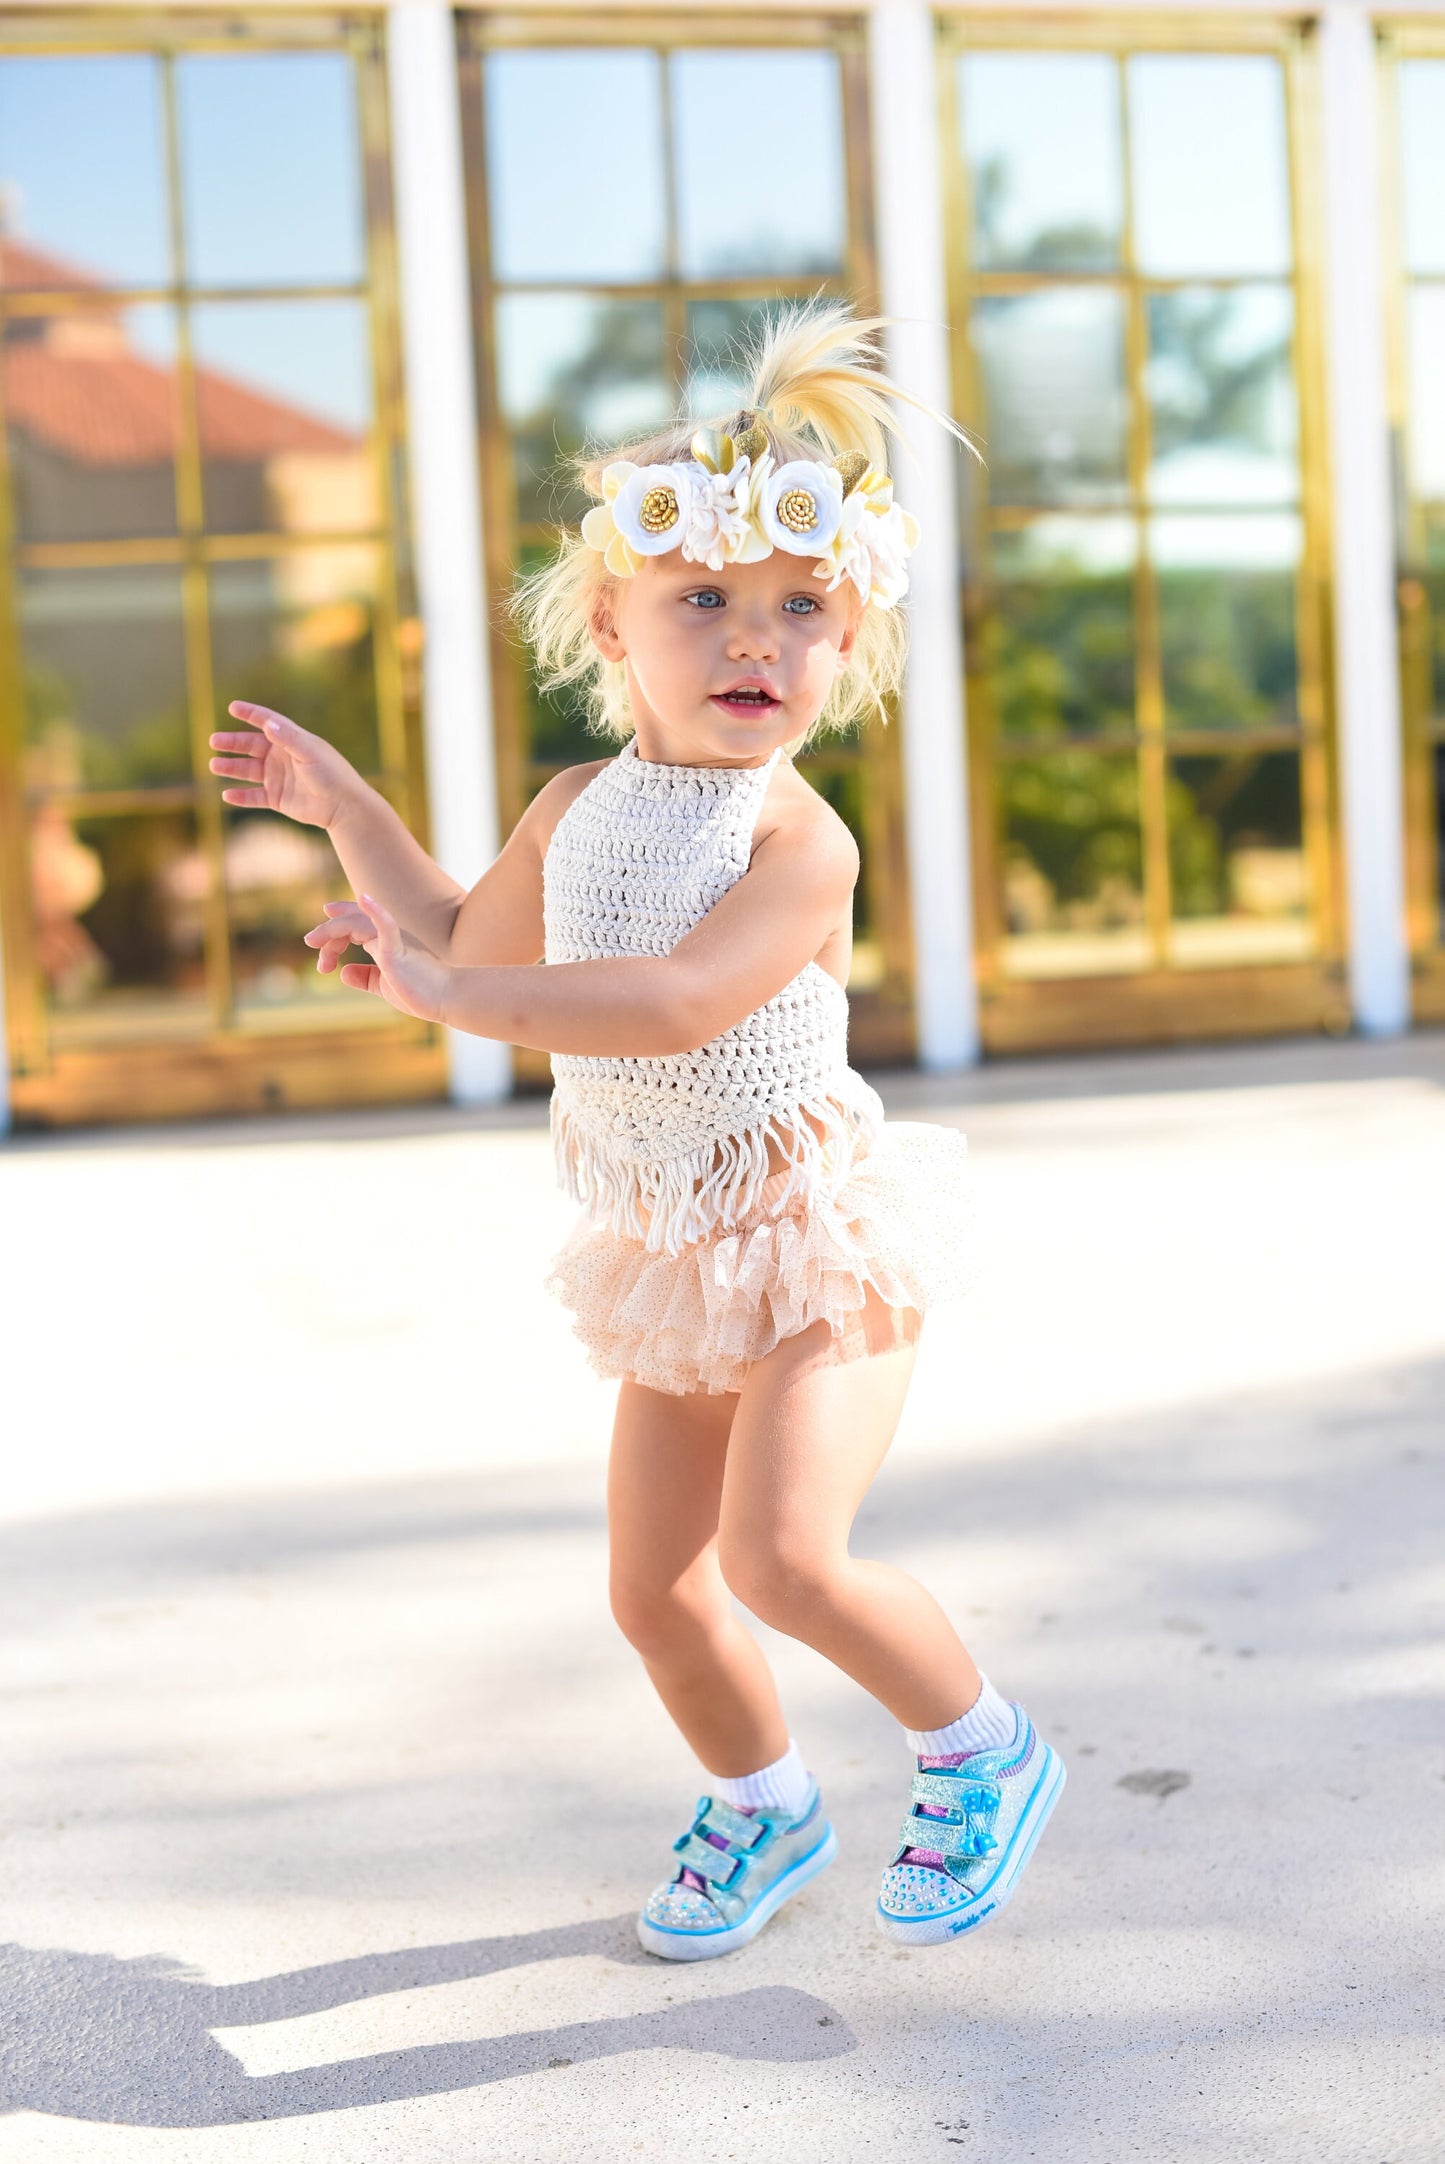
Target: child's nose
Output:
[(753, 640)]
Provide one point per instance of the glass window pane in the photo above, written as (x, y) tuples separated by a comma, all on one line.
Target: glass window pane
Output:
[(570, 369), (1073, 894), (271, 169), (1041, 136), (1237, 866), (1222, 396), (103, 653), (1210, 171), (712, 366), (1422, 161), (843, 783), (1060, 654), (119, 915), (91, 422), (1052, 364), (283, 398), (278, 874), (554, 728), (1425, 366), (296, 632), (576, 188), (1439, 766), (782, 205), (1227, 620), (82, 167)]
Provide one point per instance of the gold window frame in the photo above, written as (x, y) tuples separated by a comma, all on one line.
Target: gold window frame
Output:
[(234, 1064), (1158, 1004), (881, 1023), (1422, 729)]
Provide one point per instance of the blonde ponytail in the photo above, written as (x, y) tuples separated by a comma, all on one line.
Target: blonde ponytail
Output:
[(815, 388)]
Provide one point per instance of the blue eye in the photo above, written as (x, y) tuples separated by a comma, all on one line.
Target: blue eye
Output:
[(810, 602), (706, 598)]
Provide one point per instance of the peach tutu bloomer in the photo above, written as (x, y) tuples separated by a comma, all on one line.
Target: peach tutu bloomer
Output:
[(734, 1195)]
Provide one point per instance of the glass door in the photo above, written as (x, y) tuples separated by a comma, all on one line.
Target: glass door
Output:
[(1130, 233), (200, 477), (1413, 111), (611, 274)]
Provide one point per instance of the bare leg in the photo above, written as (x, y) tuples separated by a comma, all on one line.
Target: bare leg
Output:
[(664, 1484), (813, 1424)]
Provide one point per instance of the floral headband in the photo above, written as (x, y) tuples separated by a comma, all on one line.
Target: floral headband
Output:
[(729, 504)]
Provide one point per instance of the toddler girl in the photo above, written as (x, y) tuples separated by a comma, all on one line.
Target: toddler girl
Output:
[(757, 1246)]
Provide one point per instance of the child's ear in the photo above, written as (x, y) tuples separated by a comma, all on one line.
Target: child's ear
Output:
[(854, 625), (602, 624)]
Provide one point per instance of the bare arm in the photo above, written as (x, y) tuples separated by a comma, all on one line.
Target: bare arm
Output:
[(766, 928)]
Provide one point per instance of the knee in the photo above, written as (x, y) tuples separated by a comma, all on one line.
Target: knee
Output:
[(659, 1619), (784, 1583)]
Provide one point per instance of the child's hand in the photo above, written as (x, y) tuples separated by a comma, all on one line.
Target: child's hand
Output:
[(287, 768), (403, 972)]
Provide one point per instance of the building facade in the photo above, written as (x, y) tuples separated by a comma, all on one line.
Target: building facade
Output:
[(302, 312)]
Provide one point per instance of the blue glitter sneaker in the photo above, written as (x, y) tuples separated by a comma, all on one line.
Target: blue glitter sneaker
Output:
[(737, 1868), (993, 1806)]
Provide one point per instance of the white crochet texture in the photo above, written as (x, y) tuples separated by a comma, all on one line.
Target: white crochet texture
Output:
[(671, 1149)]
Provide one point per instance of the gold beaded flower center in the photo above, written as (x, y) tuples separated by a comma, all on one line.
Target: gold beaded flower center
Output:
[(797, 510), (658, 510)]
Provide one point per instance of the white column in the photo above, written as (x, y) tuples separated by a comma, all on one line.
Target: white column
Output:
[(1372, 798), (442, 435), (908, 180)]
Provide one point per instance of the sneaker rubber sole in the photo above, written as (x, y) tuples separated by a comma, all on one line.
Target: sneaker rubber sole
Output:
[(706, 1945), (995, 1893)]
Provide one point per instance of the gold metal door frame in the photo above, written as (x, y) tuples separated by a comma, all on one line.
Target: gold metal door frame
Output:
[(1161, 1003), (232, 1065), (1397, 39), (881, 1027)]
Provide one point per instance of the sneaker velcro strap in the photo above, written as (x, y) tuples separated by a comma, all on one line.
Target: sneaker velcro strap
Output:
[(954, 1792), (946, 1839), (732, 1824), (710, 1863)]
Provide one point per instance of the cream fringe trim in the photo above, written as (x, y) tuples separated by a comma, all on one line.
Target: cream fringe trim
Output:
[(671, 1203)]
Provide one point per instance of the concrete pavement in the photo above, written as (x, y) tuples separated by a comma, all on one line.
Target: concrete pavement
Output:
[(330, 1790)]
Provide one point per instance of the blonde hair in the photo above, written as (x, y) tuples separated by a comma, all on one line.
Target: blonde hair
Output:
[(815, 389)]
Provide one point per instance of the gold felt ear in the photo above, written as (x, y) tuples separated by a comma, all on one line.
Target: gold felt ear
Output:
[(751, 440), (712, 450), (850, 468)]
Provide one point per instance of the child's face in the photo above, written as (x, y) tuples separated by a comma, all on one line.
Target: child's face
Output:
[(689, 637)]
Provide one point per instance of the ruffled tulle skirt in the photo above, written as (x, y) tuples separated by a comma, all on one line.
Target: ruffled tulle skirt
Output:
[(899, 1220)]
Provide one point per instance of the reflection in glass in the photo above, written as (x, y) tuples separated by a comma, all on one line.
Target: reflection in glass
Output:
[(91, 420), (83, 172), (781, 210), (569, 200), (1073, 899), (103, 653), (1222, 396), (1227, 619), (1425, 366), (1422, 158), (1060, 658), (270, 169), (296, 632), (1053, 377), (277, 875), (1438, 763), (118, 913), (570, 368), (843, 784), (1041, 136), (1210, 170), (283, 399), (712, 359), (1237, 869)]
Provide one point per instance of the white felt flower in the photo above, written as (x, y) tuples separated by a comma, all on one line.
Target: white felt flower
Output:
[(652, 508), (599, 527), (799, 507), (874, 535)]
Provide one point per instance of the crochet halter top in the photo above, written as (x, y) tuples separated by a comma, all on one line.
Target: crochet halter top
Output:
[(671, 1149)]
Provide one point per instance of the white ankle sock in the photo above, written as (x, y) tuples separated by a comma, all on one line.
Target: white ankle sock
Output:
[(782, 1786), (987, 1726)]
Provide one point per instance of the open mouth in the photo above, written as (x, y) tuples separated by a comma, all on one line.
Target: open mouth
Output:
[(747, 697)]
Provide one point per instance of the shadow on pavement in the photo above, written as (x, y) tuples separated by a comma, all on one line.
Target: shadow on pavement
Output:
[(129, 2043)]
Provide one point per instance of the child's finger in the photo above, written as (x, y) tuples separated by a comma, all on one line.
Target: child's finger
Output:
[(386, 939), (361, 976)]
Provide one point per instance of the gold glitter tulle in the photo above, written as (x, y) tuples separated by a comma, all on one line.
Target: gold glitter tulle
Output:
[(898, 1220)]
